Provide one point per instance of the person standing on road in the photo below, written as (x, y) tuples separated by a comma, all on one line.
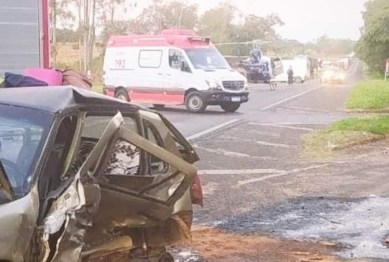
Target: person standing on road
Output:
[(290, 75)]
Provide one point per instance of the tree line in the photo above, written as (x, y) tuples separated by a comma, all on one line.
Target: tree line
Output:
[(373, 47), (231, 30)]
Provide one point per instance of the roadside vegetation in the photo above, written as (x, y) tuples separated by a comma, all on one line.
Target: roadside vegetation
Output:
[(81, 46), (369, 95), (372, 48), (344, 134)]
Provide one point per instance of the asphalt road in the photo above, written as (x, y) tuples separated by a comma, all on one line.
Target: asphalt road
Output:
[(323, 103), (257, 181)]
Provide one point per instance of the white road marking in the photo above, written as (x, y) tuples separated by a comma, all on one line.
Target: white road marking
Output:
[(222, 151), (262, 143), (294, 171), (231, 153), (212, 129), (240, 172), (277, 123), (282, 126), (289, 98)]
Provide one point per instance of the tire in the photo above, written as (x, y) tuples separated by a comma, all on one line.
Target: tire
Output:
[(195, 103), (159, 107), (121, 94), (230, 107)]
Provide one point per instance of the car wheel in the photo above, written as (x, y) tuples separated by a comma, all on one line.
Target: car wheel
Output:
[(159, 107), (195, 103), (230, 107), (122, 95)]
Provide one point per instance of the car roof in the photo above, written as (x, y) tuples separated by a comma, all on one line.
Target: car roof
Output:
[(54, 99)]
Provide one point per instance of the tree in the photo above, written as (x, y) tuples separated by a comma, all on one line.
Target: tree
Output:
[(67, 35), (111, 24), (160, 15), (256, 27), (373, 46), (326, 46), (58, 12), (218, 23), (87, 15), (115, 28)]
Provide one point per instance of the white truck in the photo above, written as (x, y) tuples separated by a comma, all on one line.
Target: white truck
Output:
[(24, 28), (300, 69)]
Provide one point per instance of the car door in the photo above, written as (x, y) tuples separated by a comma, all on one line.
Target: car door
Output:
[(110, 175), (176, 77), (150, 84)]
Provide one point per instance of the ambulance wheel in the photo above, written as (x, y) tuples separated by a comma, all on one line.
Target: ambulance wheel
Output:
[(195, 103), (121, 94), (230, 107)]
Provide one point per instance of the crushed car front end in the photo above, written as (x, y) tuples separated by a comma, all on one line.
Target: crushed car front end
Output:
[(107, 179)]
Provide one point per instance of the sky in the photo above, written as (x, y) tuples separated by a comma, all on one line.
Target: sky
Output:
[(305, 20)]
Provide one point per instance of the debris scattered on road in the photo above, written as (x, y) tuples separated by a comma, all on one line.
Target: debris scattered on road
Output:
[(216, 245)]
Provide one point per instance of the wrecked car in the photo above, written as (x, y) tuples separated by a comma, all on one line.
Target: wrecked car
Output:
[(85, 177)]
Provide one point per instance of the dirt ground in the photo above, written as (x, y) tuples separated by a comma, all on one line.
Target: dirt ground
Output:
[(216, 245)]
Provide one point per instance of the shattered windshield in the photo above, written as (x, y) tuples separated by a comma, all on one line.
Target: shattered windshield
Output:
[(207, 59), (22, 134)]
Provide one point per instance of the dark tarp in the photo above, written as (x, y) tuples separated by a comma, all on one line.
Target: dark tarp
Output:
[(15, 80)]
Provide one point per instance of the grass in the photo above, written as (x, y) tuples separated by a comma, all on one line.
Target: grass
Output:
[(352, 131), (378, 125), (369, 95)]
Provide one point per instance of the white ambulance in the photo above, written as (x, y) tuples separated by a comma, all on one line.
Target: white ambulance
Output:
[(173, 68)]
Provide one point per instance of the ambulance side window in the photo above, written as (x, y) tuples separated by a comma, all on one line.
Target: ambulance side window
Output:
[(177, 61), (150, 58)]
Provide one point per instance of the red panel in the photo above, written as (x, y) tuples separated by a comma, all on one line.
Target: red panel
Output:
[(156, 98), (177, 40), (152, 97), (45, 31), (175, 99), (109, 92)]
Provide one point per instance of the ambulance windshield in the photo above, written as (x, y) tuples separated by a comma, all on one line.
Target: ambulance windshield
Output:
[(207, 59)]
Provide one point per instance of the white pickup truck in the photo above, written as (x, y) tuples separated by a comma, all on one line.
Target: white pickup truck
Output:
[(24, 30)]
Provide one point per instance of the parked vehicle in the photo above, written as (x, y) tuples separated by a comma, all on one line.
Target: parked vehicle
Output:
[(299, 71), (24, 26), (261, 68), (173, 68), (333, 75), (256, 72), (85, 176)]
